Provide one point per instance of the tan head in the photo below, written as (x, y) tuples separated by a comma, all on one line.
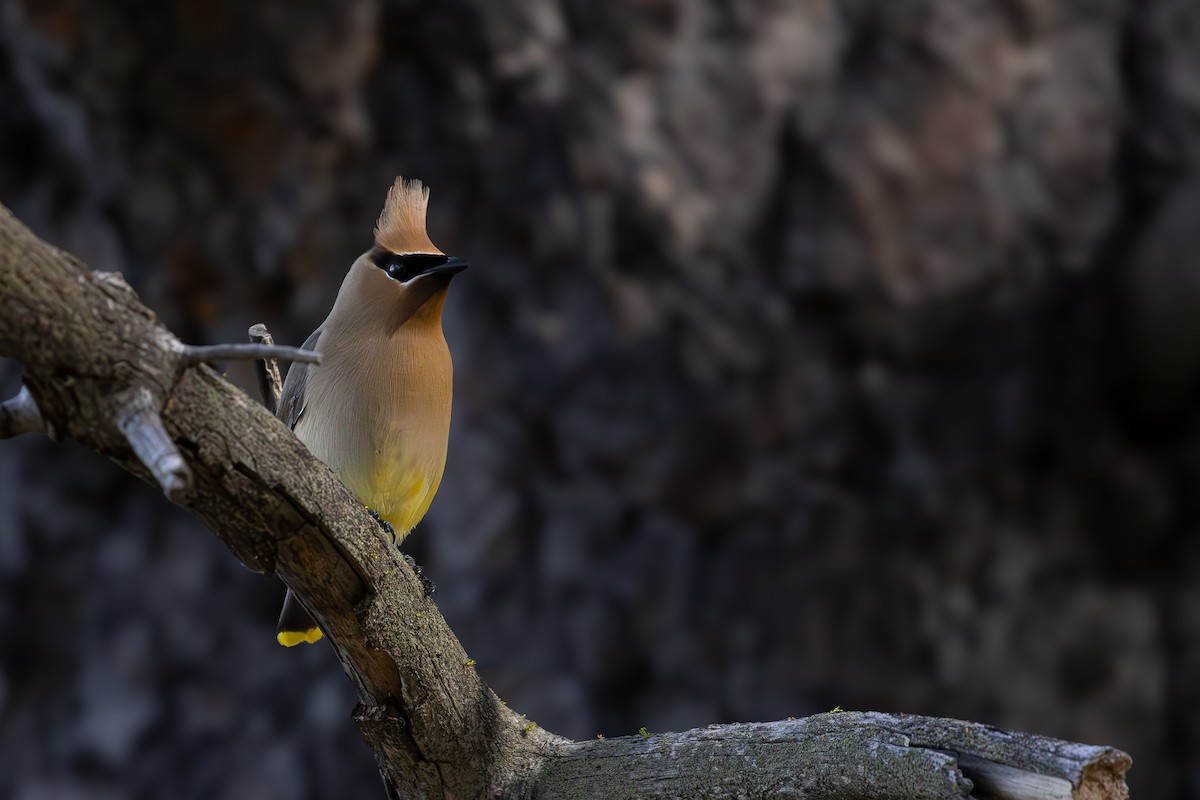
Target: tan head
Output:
[(404, 277)]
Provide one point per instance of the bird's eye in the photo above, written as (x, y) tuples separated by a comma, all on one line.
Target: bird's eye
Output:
[(404, 268), (401, 270)]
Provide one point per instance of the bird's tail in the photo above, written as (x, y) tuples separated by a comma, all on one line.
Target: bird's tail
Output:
[(295, 624)]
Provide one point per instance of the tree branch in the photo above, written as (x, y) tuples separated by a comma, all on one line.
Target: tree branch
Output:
[(208, 353), (104, 371), (838, 755)]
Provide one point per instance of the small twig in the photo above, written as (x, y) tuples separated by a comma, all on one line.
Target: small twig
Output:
[(270, 384), (141, 425), (19, 415), (203, 354)]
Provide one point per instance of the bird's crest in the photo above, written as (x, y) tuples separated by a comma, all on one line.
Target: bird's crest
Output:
[(401, 226)]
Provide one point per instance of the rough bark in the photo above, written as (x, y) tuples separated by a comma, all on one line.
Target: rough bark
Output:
[(103, 371), (846, 754), (270, 383)]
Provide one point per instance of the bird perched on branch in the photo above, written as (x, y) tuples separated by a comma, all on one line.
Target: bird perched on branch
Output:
[(377, 409)]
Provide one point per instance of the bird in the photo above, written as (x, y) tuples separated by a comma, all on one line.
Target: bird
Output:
[(377, 407)]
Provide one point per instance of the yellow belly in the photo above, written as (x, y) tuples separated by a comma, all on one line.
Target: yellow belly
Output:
[(402, 499), (396, 482)]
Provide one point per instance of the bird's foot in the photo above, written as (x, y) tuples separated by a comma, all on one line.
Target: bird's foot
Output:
[(426, 584), (383, 523)]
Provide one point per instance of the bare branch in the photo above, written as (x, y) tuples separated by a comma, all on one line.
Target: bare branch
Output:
[(837, 755), (203, 354), (270, 384), (140, 424), (19, 415)]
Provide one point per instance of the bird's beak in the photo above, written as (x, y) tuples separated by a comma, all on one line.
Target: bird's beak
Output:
[(453, 266)]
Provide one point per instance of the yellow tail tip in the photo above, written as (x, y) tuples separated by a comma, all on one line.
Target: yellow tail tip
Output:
[(293, 638)]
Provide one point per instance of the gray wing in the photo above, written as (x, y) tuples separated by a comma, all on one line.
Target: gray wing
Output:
[(291, 400)]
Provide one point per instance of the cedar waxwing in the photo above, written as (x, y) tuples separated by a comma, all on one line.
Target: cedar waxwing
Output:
[(377, 409)]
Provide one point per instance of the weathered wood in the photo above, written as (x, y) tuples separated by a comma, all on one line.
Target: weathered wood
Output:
[(270, 383), (101, 368), (807, 758), (997, 780), (1091, 771), (843, 754)]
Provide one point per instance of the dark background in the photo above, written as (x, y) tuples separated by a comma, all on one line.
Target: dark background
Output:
[(815, 353)]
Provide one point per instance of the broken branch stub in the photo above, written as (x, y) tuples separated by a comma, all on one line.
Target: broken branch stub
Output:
[(270, 383), (20, 414), (138, 419)]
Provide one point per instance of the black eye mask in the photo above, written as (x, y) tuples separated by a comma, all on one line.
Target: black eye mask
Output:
[(404, 268)]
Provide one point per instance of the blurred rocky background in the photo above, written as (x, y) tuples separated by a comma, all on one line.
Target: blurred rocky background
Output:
[(815, 353)]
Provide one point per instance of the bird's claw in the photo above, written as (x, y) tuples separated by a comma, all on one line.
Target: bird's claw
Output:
[(426, 584), (383, 523)]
